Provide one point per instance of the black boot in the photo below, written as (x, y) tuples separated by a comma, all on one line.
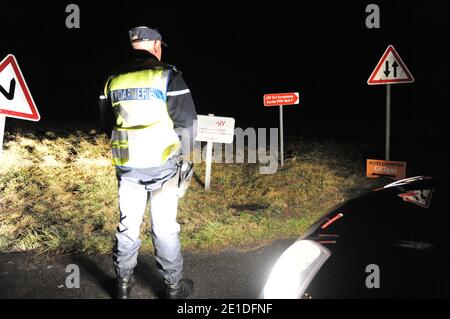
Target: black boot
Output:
[(123, 287), (183, 290)]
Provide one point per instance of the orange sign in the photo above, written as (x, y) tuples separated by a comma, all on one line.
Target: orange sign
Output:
[(281, 99), (377, 168)]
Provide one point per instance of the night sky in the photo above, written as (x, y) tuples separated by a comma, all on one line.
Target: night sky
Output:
[(231, 55)]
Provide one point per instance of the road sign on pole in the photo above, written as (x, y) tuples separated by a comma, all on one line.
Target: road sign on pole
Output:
[(281, 99), (212, 129), (281, 137), (390, 70), (215, 129), (15, 97)]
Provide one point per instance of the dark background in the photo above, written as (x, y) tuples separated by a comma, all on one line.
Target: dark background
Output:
[(231, 54)]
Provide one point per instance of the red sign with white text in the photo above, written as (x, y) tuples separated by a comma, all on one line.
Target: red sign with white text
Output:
[(281, 99)]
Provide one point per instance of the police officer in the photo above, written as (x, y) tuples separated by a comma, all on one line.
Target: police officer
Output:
[(152, 109)]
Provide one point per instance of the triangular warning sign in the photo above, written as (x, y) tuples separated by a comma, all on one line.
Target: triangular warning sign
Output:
[(390, 69), (15, 98)]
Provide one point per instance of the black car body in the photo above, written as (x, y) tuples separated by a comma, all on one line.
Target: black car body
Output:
[(390, 243)]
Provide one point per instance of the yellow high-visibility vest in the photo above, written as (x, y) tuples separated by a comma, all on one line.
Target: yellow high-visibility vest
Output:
[(143, 135)]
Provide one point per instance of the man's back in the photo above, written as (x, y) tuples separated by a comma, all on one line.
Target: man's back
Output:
[(148, 103)]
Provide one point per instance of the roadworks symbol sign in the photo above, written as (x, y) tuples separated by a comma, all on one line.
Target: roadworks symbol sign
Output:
[(15, 98), (390, 69)]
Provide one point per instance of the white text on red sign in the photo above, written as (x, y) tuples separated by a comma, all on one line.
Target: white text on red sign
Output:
[(281, 99)]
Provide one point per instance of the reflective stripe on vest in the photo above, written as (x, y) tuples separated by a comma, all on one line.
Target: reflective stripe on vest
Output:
[(143, 136), (119, 145)]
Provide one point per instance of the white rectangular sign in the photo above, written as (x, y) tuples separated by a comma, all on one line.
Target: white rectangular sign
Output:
[(215, 129)]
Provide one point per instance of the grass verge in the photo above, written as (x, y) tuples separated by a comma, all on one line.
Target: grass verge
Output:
[(58, 194)]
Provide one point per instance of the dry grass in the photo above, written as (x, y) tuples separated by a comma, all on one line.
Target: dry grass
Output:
[(58, 194)]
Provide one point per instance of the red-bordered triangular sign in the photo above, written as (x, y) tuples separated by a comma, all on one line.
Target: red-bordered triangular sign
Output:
[(390, 69), (15, 98)]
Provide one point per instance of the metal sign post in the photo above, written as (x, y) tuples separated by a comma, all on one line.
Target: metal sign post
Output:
[(388, 122), (2, 132), (281, 137), (209, 149), (281, 99), (390, 70)]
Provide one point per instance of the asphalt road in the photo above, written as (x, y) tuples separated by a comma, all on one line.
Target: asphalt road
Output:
[(230, 274)]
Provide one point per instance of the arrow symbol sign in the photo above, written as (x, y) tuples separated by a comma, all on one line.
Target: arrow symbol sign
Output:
[(9, 94), (390, 69), (386, 70), (395, 66)]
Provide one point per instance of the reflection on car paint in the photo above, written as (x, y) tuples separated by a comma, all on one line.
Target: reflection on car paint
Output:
[(327, 242), (421, 197), (332, 220), (408, 181), (411, 244)]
